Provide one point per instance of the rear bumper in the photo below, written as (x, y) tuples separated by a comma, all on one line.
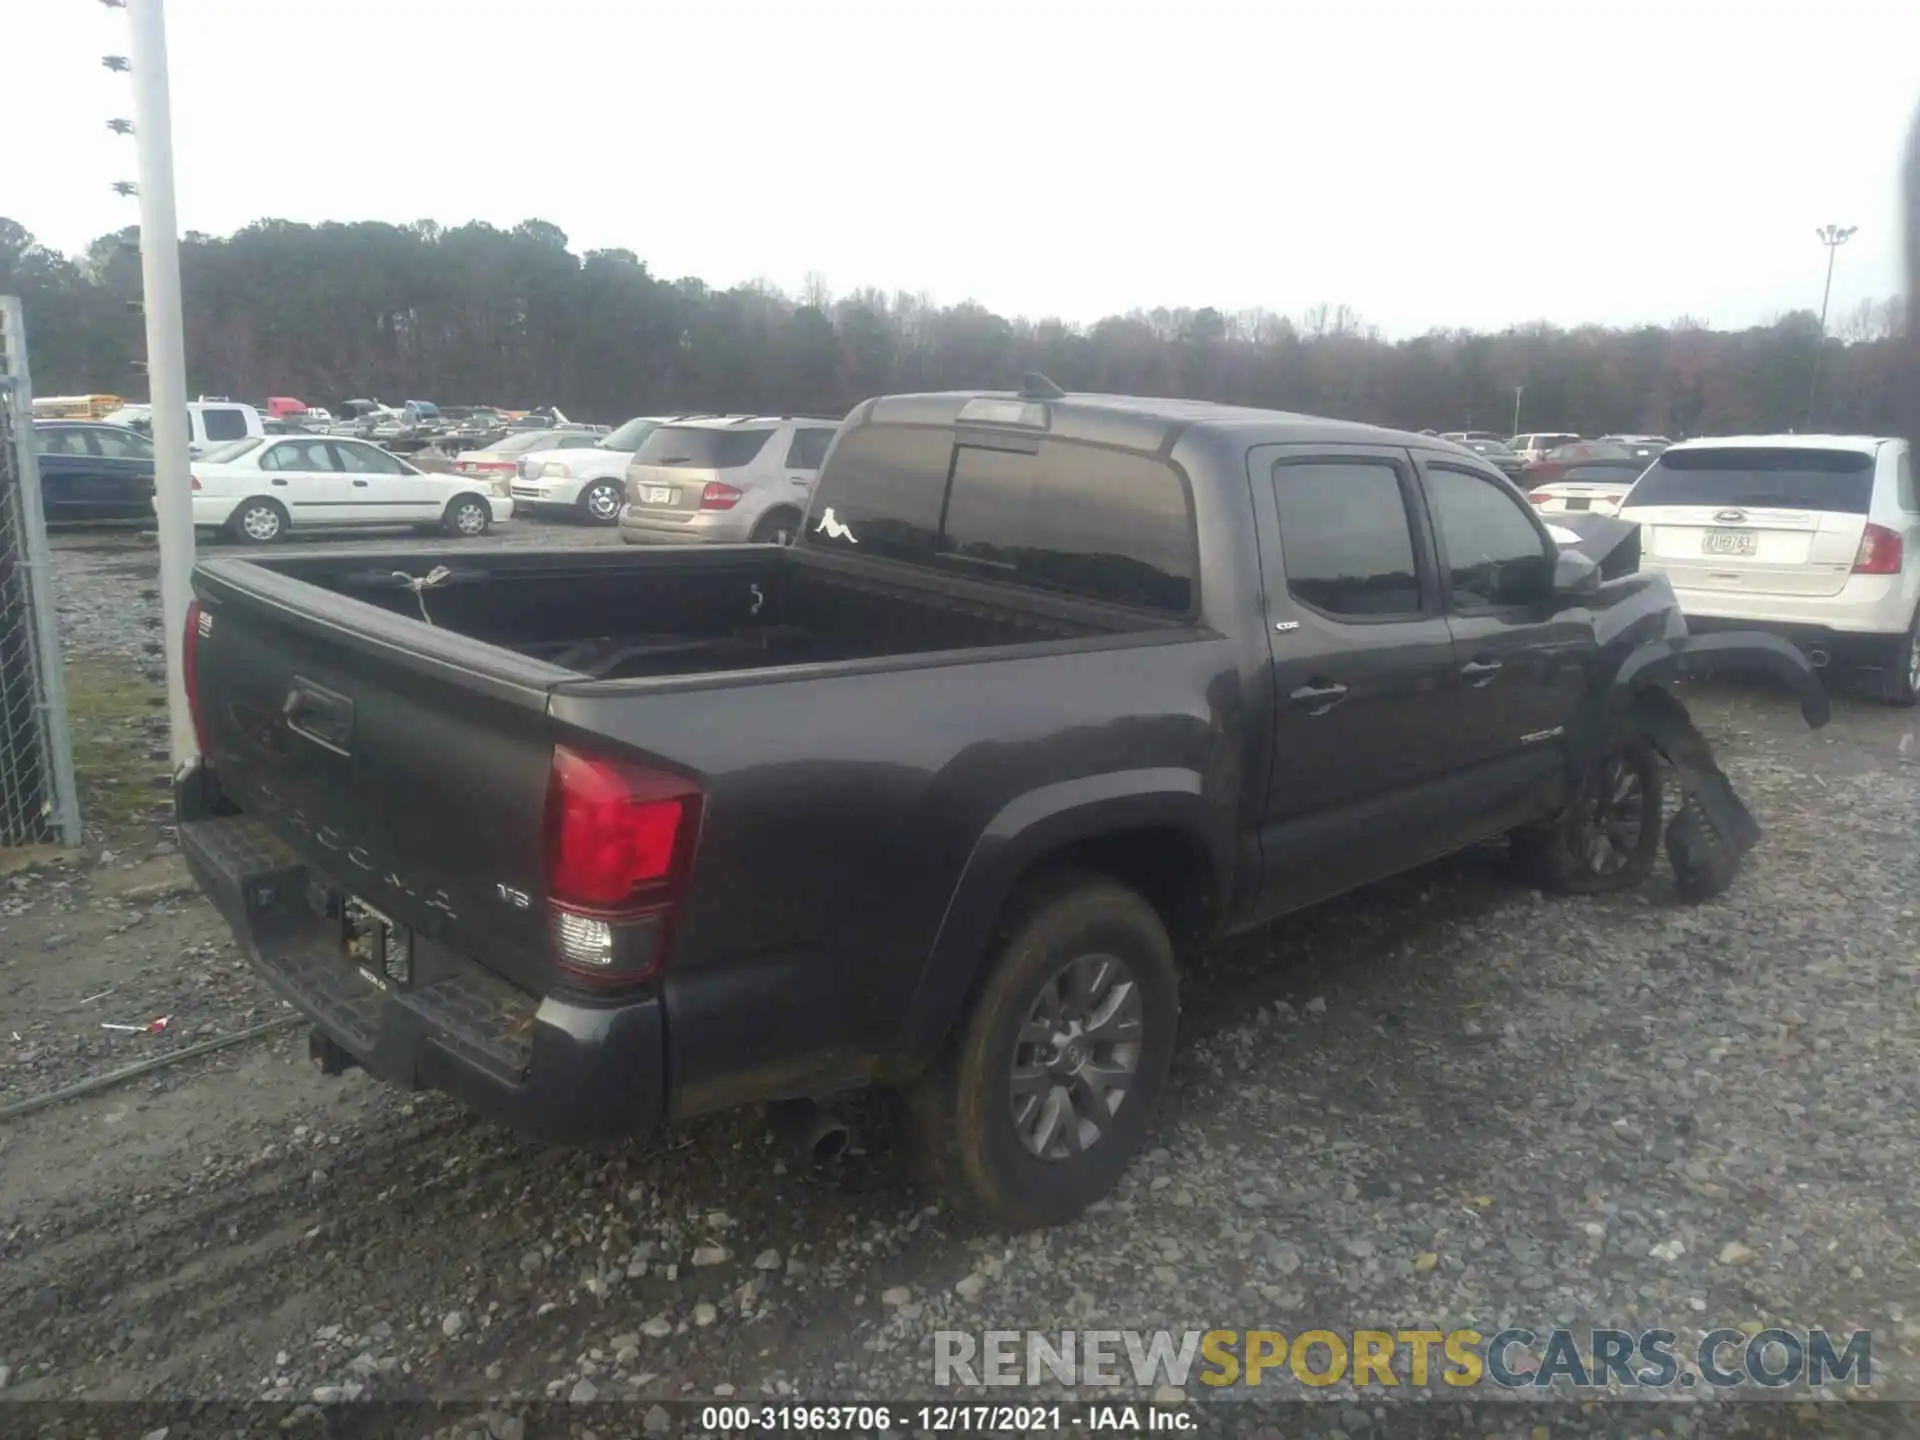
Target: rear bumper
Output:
[(639, 526), (1867, 606), (557, 1071)]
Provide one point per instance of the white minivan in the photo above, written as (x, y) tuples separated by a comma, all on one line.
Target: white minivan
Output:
[(1814, 537)]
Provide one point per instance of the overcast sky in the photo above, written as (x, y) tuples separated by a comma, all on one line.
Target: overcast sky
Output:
[(1456, 163)]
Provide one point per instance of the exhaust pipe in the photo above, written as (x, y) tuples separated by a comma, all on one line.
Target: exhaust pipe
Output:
[(816, 1134), (1818, 658), (327, 1057)]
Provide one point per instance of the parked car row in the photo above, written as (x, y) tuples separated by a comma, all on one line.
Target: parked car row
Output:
[(1816, 538)]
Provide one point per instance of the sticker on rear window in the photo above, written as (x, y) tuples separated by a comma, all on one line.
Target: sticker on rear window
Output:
[(831, 527)]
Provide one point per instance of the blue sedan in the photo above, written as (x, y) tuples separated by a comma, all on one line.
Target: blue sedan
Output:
[(90, 471)]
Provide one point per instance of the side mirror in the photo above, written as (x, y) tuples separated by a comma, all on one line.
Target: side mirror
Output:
[(1575, 576)]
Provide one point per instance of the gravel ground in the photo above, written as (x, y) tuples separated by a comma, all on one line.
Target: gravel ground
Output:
[(1446, 1102)]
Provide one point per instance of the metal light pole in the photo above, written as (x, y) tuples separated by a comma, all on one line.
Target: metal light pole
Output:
[(1833, 237), (166, 346), (1518, 391)]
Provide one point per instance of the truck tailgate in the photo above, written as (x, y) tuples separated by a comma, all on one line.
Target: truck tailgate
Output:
[(408, 764)]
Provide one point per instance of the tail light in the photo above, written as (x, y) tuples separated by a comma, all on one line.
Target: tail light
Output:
[(719, 497), (198, 624), (619, 843), (194, 481), (1538, 497), (1879, 552)]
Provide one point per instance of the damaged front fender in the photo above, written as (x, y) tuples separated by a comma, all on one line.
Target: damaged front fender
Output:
[(1734, 651), (1711, 830)]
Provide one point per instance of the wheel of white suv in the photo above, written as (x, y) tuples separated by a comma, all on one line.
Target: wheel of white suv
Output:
[(1045, 1092), (1898, 682), (600, 502)]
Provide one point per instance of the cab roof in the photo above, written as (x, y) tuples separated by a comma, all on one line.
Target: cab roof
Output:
[(1134, 422)]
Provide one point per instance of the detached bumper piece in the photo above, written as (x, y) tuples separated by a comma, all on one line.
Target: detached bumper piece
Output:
[(428, 1019), (1712, 830)]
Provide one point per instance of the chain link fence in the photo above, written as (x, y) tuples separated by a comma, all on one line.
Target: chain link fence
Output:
[(38, 802)]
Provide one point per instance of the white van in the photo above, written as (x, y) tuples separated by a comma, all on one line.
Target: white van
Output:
[(209, 422)]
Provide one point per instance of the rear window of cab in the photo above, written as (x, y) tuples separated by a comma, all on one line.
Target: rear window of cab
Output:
[(1046, 514)]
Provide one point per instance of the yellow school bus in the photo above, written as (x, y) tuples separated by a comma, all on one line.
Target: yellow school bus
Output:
[(75, 407)]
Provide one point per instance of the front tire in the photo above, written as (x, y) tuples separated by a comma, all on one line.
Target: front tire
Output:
[(1608, 839), (600, 503), (259, 521), (468, 517), (1045, 1092)]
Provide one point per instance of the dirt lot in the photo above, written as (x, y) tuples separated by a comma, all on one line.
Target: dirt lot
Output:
[(1447, 1101)]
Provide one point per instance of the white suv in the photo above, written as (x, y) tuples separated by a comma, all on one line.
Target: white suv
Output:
[(585, 481), (727, 480), (1816, 537)]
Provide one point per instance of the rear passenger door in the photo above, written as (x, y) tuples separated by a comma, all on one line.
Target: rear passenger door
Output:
[(123, 472), (804, 453), (1524, 662), (1363, 668)]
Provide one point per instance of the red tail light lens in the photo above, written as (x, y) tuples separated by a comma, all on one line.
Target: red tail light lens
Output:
[(719, 497), (1879, 552), (190, 668), (1538, 497), (618, 836), (619, 841), (194, 481)]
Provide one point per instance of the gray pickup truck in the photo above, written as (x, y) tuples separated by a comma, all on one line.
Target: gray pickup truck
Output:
[(1050, 691)]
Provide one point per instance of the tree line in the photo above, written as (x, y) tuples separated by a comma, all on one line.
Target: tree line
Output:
[(475, 314)]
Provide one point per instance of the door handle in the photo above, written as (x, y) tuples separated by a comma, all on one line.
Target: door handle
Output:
[(281, 483), (1318, 699), (359, 484), (1479, 672)]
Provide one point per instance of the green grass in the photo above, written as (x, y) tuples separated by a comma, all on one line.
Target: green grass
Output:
[(108, 705)]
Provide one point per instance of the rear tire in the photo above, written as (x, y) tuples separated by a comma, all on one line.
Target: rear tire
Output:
[(258, 521), (1022, 1129), (1898, 681), (1608, 839), (776, 527), (468, 517), (600, 503)]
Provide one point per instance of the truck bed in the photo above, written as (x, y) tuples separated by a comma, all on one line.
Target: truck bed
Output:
[(622, 615)]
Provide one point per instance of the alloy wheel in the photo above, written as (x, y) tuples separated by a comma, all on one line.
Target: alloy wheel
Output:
[(1076, 1057), (1611, 818)]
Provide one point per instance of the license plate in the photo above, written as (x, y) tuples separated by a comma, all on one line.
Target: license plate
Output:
[(1728, 542), (382, 950), (656, 494), (1579, 503)]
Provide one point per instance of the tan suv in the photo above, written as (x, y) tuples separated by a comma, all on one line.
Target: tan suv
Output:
[(728, 480)]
